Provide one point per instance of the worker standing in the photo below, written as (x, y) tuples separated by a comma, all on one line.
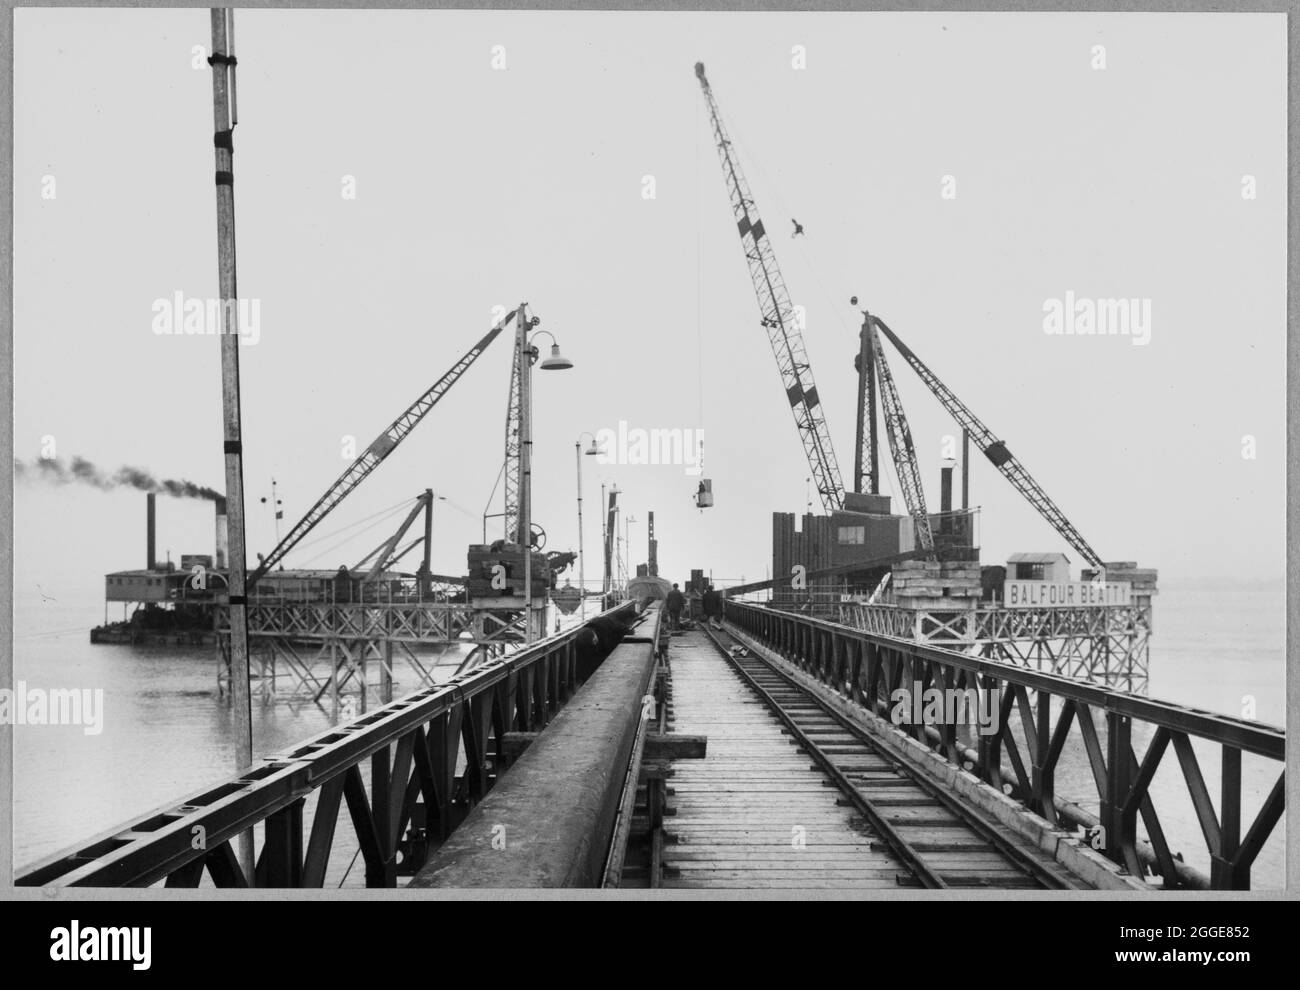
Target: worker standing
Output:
[(675, 602), (713, 607)]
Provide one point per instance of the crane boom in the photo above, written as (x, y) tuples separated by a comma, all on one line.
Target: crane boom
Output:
[(777, 316), (901, 447), (370, 458), (996, 451), (514, 433)]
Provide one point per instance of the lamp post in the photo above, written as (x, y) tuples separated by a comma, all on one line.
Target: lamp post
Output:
[(555, 362), (606, 540), (629, 568), (593, 450)]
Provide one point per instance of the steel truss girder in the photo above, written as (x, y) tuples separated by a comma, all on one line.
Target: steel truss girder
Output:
[(1107, 645), (436, 751), (1039, 714)]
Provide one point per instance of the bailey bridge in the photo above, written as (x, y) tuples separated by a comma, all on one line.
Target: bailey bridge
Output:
[(767, 753)]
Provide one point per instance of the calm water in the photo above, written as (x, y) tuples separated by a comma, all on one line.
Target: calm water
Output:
[(166, 733)]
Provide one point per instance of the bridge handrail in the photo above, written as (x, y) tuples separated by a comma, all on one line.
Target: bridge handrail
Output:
[(864, 667), (178, 840)]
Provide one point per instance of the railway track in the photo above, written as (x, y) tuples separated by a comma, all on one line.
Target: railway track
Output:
[(941, 842)]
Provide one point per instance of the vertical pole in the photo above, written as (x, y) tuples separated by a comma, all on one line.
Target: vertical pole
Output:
[(873, 401), (222, 73), (965, 469), (604, 548), (426, 564), (1224, 875), (862, 482), (582, 574), (275, 498), (526, 469)]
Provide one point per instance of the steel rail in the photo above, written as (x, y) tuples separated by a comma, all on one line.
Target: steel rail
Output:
[(1049, 878), (901, 848)]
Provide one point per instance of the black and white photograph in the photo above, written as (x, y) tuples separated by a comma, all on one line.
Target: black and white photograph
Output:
[(657, 454)]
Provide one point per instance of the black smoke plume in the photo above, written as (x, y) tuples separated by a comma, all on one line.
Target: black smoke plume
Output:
[(80, 471)]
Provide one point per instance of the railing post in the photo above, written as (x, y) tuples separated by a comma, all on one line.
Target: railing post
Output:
[(380, 782), (282, 861), (1118, 747), (1043, 779), (989, 747), (1223, 875)]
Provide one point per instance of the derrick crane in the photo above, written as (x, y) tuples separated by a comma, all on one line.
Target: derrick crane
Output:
[(370, 458), (777, 316), (387, 554), (994, 449), (866, 467), (900, 445), (514, 447)]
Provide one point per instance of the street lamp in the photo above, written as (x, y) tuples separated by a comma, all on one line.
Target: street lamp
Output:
[(528, 354), (605, 539), (591, 451), (629, 568)]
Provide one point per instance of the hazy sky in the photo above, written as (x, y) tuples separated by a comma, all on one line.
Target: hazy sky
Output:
[(479, 187)]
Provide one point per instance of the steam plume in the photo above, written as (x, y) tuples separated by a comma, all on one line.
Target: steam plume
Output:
[(80, 471)]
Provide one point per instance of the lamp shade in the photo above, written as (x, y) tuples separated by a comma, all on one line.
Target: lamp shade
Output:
[(557, 361)]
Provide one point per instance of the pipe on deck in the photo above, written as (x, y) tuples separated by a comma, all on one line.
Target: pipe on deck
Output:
[(549, 819)]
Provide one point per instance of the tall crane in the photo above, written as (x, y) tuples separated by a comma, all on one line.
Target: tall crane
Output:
[(777, 316), (994, 449), (900, 444), (373, 455)]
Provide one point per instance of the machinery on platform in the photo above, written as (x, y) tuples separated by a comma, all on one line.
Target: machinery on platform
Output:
[(511, 579)]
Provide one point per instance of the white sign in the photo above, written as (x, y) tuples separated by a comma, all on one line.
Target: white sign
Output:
[(1041, 594)]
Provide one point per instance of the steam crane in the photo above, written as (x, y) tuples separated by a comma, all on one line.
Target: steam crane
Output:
[(514, 467), (994, 449), (777, 316), (900, 445), (380, 448)]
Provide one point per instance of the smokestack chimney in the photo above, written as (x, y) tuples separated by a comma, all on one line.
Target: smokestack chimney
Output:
[(945, 495), (222, 534), (151, 520)]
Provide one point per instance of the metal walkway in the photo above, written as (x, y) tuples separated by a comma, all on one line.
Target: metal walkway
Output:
[(790, 797)]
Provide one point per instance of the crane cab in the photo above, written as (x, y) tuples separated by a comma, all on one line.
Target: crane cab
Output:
[(704, 495)]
